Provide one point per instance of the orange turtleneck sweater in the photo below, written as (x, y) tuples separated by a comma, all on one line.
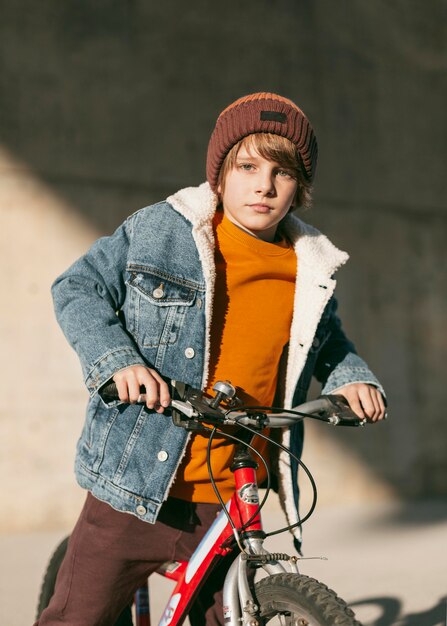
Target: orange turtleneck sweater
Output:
[(252, 314)]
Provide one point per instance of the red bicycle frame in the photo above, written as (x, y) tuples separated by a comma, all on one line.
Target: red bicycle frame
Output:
[(190, 575)]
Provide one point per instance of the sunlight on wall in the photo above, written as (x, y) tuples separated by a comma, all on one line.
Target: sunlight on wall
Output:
[(340, 475), (42, 394)]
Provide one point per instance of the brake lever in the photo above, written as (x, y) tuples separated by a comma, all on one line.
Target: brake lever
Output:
[(184, 407), (191, 404), (343, 415), (196, 399)]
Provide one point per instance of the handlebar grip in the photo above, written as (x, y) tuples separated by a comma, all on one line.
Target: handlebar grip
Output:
[(109, 392), (345, 415)]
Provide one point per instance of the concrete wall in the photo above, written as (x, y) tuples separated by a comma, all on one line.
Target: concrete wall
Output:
[(108, 106)]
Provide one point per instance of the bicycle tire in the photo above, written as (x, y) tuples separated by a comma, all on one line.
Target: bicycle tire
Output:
[(49, 581), (299, 600)]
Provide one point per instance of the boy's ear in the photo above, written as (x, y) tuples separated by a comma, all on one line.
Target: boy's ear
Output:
[(219, 189)]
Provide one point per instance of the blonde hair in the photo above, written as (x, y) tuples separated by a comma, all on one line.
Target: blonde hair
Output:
[(273, 148)]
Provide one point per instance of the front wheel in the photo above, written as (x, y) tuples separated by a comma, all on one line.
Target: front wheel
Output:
[(297, 600)]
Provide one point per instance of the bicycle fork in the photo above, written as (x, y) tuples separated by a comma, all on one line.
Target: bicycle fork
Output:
[(239, 605)]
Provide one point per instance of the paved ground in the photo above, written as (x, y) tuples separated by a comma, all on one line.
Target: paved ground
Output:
[(388, 562)]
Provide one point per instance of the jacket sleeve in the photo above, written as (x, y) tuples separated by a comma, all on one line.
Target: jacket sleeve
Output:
[(87, 299), (338, 363)]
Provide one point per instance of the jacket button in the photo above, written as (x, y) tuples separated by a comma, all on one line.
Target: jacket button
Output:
[(189, 353), (158, 292), (316, 342), (199, 303), (141, 510), (162, 456)]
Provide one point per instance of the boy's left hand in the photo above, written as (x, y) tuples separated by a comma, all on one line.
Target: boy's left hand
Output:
[(365, 400)]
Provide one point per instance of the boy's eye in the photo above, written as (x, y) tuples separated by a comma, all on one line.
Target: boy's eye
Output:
[(245, 166), (286, 173)]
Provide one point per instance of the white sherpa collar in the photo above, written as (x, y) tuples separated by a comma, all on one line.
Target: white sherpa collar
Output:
[(198, 205), (315, 250)]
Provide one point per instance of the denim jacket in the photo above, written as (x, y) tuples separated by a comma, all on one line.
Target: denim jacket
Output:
[(144, 296)]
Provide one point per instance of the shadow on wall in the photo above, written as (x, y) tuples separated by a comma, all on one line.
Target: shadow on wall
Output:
[(415, 514), (116, 107), (391, 615)]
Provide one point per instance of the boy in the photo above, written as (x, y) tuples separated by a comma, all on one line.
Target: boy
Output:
[(218, 282)]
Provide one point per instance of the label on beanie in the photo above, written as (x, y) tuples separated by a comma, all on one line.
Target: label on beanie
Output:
[(273, 116)]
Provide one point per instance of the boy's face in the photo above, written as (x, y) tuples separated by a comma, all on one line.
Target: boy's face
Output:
[(257, 194)]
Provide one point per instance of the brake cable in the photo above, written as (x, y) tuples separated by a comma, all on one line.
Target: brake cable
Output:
[(277, 444)]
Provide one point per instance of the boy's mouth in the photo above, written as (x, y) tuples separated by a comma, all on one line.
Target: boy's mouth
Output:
[(260, 208)]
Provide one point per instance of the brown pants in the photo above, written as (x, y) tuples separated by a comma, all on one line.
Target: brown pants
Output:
[(110, 554)]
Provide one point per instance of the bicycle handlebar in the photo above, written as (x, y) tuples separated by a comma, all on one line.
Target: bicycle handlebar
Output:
[(193, 406), (193, 410)]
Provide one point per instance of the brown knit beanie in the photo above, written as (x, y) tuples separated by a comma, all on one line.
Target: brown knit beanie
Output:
[(261, 113)]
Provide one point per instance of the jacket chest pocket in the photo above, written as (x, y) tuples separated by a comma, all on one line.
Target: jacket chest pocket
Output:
[(157, 307)]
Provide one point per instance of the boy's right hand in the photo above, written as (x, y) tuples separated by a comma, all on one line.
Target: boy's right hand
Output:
[(129, 380)]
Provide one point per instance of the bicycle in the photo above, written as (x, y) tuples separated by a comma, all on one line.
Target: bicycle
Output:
[(296, 599)]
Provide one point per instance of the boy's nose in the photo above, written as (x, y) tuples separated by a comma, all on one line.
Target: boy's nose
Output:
[(264, 184)]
